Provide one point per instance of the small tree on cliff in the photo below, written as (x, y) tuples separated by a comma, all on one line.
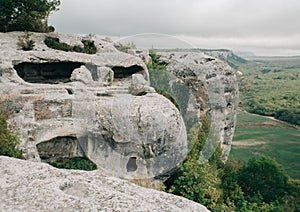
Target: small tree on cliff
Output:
[(30, 15)]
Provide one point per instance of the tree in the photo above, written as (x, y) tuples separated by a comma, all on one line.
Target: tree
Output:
[(198, 182), (263, 179), (232, 192), (30, 15)]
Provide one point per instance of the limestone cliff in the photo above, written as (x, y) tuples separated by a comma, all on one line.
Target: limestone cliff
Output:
[(213, 92), (67, 104)]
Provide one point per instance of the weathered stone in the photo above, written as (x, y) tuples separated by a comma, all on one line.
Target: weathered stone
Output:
[(148, 128), (30, 186), (214, 92), (105, 75), (142, 53), (133, 137), (130, 136), (139, 85), (82, 74)]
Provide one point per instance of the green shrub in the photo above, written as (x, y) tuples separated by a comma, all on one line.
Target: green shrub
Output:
[(80, 163), (54, 43), (292, 200), (155, 62), (195, 180), (89, 47), (198, 182), (25, 42), (259, 185), (8, 139), (78, 48)]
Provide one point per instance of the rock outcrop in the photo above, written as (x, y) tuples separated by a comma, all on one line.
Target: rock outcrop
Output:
[(213, 84), (30, 186), (213, 92), (101, 106), (68, 104)]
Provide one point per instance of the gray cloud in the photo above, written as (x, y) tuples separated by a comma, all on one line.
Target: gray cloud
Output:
[(269, 25)]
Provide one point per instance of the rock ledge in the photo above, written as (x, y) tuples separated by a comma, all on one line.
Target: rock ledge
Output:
[(31, 186)]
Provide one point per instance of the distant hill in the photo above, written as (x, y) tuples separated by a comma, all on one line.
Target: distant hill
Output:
[(245, 54)]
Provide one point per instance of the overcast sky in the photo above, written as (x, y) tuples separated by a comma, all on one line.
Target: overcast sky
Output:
[(265, 27)]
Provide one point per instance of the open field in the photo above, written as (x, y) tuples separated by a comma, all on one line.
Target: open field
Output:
[(257, 135)]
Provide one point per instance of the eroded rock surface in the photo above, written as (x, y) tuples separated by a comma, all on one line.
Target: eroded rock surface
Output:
[(30, 186), (104, 106), (213, 84), (101, 106)]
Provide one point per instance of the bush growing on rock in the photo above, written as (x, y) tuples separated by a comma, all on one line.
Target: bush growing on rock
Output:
[(54, 43), (79, 163), (125, 47), (89, 46), (8, 139), (25, 42)]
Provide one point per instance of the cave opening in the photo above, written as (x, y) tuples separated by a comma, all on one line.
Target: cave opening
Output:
[(50, 73), (131, 164), (59, 147), (124, 72), (64, 152)]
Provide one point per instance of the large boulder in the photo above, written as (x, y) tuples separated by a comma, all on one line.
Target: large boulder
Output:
[(30, 186)]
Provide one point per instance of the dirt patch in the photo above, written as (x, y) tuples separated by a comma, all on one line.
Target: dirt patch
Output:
[(249, 142)]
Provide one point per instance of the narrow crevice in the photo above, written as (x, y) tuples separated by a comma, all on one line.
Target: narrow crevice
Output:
[(70, 91)]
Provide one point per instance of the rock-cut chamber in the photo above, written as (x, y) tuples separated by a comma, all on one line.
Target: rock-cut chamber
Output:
[(51, 73)]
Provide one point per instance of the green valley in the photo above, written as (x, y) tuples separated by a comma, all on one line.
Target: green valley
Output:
[(256, 136), (270, 86)]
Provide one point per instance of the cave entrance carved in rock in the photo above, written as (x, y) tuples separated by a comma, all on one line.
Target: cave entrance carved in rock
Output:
[(50, 73), (124, 72), (59, 147)]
